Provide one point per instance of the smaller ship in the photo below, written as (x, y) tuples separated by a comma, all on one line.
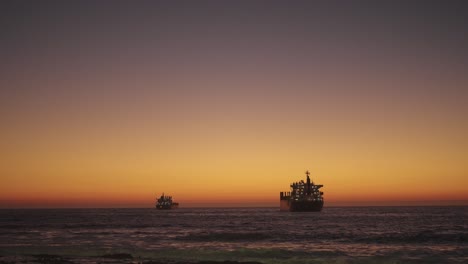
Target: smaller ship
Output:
[(303, 197), (165, 203)]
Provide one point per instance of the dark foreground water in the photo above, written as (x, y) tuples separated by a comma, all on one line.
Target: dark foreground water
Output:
[(264, 235)]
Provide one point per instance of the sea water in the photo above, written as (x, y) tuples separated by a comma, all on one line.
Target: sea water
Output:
[(265, 235)]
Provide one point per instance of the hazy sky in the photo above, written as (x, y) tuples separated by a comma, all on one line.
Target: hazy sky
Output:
[(110, 103)]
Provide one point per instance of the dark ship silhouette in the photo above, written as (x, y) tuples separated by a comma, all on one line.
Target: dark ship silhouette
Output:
[(165, 203), (303, 197)]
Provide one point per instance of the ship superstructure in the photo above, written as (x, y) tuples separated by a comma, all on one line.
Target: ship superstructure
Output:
[(303, 197), (165, 202)]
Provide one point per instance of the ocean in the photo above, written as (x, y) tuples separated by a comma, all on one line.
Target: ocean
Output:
[(233, 235)]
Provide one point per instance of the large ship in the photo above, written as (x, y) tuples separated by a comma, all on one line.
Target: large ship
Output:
[(165, 202), (303, 197)]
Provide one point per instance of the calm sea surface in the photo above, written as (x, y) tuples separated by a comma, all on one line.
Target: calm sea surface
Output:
[(347, 234)]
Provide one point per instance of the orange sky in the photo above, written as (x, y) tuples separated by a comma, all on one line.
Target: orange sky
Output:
[(112, 111)]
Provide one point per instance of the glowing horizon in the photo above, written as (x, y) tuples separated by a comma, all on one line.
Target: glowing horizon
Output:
[(227, 104)]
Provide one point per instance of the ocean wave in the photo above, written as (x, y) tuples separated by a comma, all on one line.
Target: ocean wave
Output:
[(240, 255), (267, 235), (226, 236), (423, 236), (419, 237)]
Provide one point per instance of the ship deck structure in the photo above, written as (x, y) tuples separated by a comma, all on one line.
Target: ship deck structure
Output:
[(303, 197), (165, 202)]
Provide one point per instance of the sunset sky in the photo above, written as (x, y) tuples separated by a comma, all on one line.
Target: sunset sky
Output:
[(111, 103)]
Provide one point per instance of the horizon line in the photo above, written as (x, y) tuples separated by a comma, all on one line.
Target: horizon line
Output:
[(233, 207)]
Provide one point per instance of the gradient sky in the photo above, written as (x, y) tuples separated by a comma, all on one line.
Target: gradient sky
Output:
[(108, 103)]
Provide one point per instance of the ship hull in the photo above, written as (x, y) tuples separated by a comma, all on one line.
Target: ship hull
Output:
[(163, 207), (301, 206), (167, 206)]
